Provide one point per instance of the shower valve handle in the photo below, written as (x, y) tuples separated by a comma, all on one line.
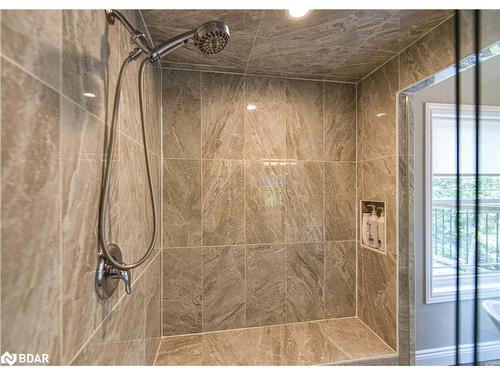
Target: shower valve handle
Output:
[(123, 275)]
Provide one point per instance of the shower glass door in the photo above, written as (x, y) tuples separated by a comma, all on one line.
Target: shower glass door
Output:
[(476, 221)]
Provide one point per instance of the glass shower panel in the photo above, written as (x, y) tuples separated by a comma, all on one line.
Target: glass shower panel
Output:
[(478, 195)]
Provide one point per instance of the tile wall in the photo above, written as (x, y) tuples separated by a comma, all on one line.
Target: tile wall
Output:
[(52, 152), (385, 159), (259, 180)]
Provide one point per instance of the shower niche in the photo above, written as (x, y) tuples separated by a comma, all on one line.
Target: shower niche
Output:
[(373, 225)]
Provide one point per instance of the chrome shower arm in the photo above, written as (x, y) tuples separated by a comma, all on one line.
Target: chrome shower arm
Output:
[(137, 36), (172, 44)]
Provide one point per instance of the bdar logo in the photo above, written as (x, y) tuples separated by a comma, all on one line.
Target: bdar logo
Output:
[(8, 359)]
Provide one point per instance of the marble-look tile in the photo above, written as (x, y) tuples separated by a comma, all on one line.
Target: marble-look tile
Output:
[(222, 116), (134, 201), (248, 347), (304, 202), (180, 351), (182, 290), (30, 301), (81, 136), (325, 342), (364, 62), (130, 334), (394, 30), (340, 121), (265, 201), (32, 38), (304, 282), (377, 181), (265, 289), (222, 202), (181, 202), (377, 293), (223, 288), (340, 279), (265, 125), (304, 120), (83, 62), (331, 341), (340, 201), (306, 344), (233, 58), (345, 43), (181, 111), (152, 108), (335, 27), (287, 57), (377, 133), (428, 55), (240, 22), (418, 22)]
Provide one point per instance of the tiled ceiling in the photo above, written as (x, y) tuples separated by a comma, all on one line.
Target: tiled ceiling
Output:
[(343, 45)]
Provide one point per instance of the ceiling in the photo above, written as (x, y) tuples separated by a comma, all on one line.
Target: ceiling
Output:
[(342, 45)]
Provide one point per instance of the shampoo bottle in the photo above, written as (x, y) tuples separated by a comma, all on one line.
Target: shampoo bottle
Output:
[(365, 233), (372, 225), (381, 230)]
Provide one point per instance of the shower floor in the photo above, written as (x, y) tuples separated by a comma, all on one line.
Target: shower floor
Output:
[(327, 341)]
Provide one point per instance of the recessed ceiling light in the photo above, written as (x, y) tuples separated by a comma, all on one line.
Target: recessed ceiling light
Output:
[(251, 107), (297, 12), (89, 95)]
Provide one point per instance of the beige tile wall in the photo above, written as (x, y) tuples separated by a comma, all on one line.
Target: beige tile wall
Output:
[(52, 143), (385, 160), (259, 205)]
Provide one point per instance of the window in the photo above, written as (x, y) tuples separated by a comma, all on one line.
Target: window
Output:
[(441, 208)]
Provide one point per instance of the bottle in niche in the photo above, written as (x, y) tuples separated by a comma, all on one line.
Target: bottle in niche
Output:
[(372, 227), (366, 228), (380, 229)]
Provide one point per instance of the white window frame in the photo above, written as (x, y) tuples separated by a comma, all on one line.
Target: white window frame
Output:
[(449, 110)]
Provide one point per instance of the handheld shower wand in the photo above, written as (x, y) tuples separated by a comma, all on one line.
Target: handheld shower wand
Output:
[(212, 37)]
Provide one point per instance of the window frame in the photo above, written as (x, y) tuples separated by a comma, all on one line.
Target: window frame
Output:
[(448, 110)]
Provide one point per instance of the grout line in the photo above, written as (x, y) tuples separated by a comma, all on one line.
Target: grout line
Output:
[(160, 72), (323, 165), (257, 244), (60, 182), (281, 160), (253, 44), (286, 204), (108, 315), (260, 75), (245, 195), (201, 205), (1, 184), (356, 203), (263, 327), (158, 350)]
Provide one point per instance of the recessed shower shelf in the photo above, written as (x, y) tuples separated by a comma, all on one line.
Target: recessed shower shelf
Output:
[(328, 341)]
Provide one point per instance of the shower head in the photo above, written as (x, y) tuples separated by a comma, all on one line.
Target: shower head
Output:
[(210, 38)]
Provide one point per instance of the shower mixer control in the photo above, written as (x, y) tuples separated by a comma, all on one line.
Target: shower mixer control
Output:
[(108, 277)]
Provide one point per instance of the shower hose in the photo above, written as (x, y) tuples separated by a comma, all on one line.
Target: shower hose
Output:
[(107, 170)]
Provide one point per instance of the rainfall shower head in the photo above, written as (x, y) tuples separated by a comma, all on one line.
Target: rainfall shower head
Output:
[(211, 38)]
